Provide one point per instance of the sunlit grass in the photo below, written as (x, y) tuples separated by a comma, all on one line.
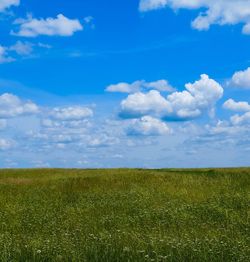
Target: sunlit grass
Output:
[(125, 215)]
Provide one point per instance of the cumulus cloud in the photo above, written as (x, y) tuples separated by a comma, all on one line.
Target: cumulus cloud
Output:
[(62, 127), (148, 126), (52, 138), (4, 4), (140, 104), (73, 113), (160, 85), (241, 119), (59, 26), (241, 79), (221, 12), (221, 136), (236, 106), (72, 138), (12, 106), (198, 97)]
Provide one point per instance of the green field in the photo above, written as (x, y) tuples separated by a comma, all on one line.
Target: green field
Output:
[(125, 215)]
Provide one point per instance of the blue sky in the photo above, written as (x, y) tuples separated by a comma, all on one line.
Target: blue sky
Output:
[(135, 83)]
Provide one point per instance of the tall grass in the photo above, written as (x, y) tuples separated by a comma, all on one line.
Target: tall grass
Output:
[(125, 215)]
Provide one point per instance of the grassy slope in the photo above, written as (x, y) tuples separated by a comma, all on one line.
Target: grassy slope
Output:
[(125, 215)]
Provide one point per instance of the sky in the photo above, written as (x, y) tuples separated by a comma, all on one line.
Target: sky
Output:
[(135, 83)]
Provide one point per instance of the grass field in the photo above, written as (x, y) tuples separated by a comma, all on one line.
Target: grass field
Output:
[(125, 215)]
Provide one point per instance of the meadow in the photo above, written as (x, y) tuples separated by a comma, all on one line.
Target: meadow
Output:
[(125, 215)]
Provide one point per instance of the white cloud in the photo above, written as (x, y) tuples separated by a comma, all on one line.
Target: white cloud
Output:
[(184, 105), (12, 106), (53, 137), (22, 48), (73, 113), (224, 127), (140, 85), (206, 91), (42, 45), (4, 58), (221, 12), (4, 4), (101, 140), (106, 140), (6, 144), (59, 26), (147, 5), (236, 106), (125, 87), (51, 123), (241, 119), (19, 49), (241, 79), (140, 104), (89, 21), (148, 126), (198, 97), (62, 127), (62, 138), (160, 85), (246, 29)]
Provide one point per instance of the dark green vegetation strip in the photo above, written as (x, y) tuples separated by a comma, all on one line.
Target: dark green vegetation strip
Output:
[(125, 215)]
